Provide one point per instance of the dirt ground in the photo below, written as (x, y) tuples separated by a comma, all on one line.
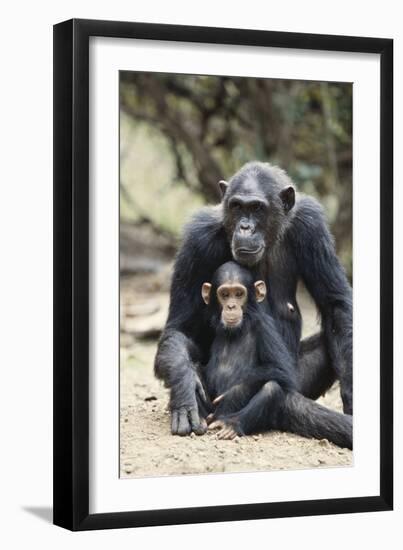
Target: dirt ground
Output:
[(147, 447)]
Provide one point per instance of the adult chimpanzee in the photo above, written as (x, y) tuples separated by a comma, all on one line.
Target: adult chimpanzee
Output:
[(250, 373), (282, 237)]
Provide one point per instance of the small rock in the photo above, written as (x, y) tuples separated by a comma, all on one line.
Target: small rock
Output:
[(324, 443), (193, 435)]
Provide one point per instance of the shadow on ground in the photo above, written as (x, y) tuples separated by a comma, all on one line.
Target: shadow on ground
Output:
[(44, 513)]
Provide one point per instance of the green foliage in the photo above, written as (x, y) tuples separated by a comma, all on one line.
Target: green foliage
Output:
[(147, 173), (180, 134)]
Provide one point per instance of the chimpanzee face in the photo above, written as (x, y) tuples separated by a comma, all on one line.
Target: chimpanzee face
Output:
[(232, 299), (232, 296), (248, 210), (255, 205)]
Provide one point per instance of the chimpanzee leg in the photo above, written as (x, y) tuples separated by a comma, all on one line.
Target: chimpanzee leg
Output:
[(319, 367), (263, 412), (315, 372), (271, 408), (305, 417)]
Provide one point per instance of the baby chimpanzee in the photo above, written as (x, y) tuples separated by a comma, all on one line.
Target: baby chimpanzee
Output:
[(247, 352), (250, 375)]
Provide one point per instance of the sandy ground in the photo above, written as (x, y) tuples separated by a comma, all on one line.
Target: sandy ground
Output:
[(147, 447)]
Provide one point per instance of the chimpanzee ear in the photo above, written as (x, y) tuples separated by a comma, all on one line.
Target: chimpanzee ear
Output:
[(287, 195), (206, 289), (222, 184), (260, 291)]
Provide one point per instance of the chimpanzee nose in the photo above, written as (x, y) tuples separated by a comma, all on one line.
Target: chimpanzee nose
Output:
[(231, 306)]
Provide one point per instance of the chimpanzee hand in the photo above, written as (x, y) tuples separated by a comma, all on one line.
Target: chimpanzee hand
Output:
[(185, 417)]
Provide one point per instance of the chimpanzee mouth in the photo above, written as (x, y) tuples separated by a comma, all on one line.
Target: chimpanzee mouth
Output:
[(249, 250), (248, 256), (232, 321)]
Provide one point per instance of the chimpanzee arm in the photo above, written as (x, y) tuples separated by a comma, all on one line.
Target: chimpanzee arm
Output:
[(204, 248), (175, 363), (325, 279), (273, 355)]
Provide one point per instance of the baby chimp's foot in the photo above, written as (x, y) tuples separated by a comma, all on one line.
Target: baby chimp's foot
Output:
[(228, 427)]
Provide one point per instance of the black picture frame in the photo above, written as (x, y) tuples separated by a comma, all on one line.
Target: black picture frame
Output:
[(71, 274)]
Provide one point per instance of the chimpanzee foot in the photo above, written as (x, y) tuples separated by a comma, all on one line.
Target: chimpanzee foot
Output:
[(228, 428)]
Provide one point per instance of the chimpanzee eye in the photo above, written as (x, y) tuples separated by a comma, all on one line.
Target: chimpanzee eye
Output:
[(239, 294), (235, 205)]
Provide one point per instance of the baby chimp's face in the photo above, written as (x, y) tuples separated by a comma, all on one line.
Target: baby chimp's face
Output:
[(232, 291), (232, 298)]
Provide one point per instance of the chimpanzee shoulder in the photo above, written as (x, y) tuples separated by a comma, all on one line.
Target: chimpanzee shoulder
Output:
[(308, 223), (204, 237), (308, 217), (204, 224)]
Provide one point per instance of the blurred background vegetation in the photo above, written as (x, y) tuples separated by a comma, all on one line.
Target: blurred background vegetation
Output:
[(181, 134)]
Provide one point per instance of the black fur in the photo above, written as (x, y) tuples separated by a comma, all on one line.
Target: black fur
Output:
[(252, 352), (286, 243), (252, 369)]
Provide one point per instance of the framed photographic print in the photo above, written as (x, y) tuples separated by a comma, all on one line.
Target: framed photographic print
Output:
[(223, 274)]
